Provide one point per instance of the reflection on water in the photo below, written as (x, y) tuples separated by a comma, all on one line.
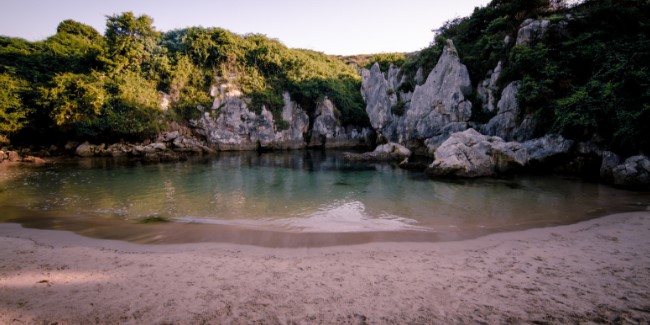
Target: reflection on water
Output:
[(293, 197)]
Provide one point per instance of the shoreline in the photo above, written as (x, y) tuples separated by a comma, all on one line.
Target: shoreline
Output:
[(597, 270)]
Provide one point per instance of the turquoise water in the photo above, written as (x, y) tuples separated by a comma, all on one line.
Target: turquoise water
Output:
[(291, 198)]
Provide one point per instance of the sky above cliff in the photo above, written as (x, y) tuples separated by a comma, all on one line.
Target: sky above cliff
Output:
[(334, 27)]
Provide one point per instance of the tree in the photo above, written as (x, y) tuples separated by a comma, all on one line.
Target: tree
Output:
[(132, 41), (73, 98), (12, 111)]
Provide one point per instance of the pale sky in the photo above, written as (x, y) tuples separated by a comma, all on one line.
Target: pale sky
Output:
[(334, 27)]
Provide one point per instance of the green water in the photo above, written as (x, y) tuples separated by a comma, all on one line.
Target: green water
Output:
[(291, 199)]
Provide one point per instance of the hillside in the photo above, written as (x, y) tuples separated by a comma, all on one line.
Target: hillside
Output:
[(580, 71), (79, 84)]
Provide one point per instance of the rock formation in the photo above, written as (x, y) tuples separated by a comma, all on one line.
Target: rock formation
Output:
[(487, 89), (633, 172), (231, 126), (471, 154), (384, 152), (429, 111), (327, 131), (531, 30), (510, 123)]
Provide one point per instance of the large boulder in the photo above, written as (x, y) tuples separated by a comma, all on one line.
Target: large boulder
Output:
[(634, 172), (471, 154), (85, 150), (531, 30)]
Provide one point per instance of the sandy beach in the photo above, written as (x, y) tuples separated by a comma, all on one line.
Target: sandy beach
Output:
[(595, 271)]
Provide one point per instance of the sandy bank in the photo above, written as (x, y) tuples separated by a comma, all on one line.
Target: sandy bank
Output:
[(597, 271)]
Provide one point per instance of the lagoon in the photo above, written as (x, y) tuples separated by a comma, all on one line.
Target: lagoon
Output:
[(290, 199)]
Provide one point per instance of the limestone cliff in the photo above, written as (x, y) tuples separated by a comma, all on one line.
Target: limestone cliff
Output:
[(230, 125), (432, 110)]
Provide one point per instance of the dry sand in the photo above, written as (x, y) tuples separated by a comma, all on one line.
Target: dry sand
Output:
[(595, 271)]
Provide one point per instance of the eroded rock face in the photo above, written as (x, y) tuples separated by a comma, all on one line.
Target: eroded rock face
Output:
[(375, 91), (233, 127), (487, 89), (432, 106), (440, 100), (327, 131), (548, 147), (510, 123), (531, 30)]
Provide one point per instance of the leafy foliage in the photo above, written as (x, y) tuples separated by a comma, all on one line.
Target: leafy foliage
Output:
[(12, 111), (385, 60), (81, 84)]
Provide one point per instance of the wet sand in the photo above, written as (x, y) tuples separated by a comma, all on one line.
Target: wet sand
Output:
[(594, 271)]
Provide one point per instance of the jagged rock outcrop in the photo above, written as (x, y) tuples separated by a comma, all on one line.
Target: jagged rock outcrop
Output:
[(510, 123), (440, 100), (487, 89), (471, 154), (298, 122), (531, 30), (232, 126), (327, 131), (385, 152), (379, 101), (428, 111)]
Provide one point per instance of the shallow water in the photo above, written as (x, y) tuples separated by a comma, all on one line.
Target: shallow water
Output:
[(300, 198)]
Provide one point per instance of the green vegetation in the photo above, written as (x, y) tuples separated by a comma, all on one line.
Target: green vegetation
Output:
[(385, 60), (78, 84)]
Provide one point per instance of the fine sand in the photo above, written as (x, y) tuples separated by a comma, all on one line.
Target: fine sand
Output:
[(592, 272)]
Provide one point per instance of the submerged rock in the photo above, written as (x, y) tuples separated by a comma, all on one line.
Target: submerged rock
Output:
[(385, 152)]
